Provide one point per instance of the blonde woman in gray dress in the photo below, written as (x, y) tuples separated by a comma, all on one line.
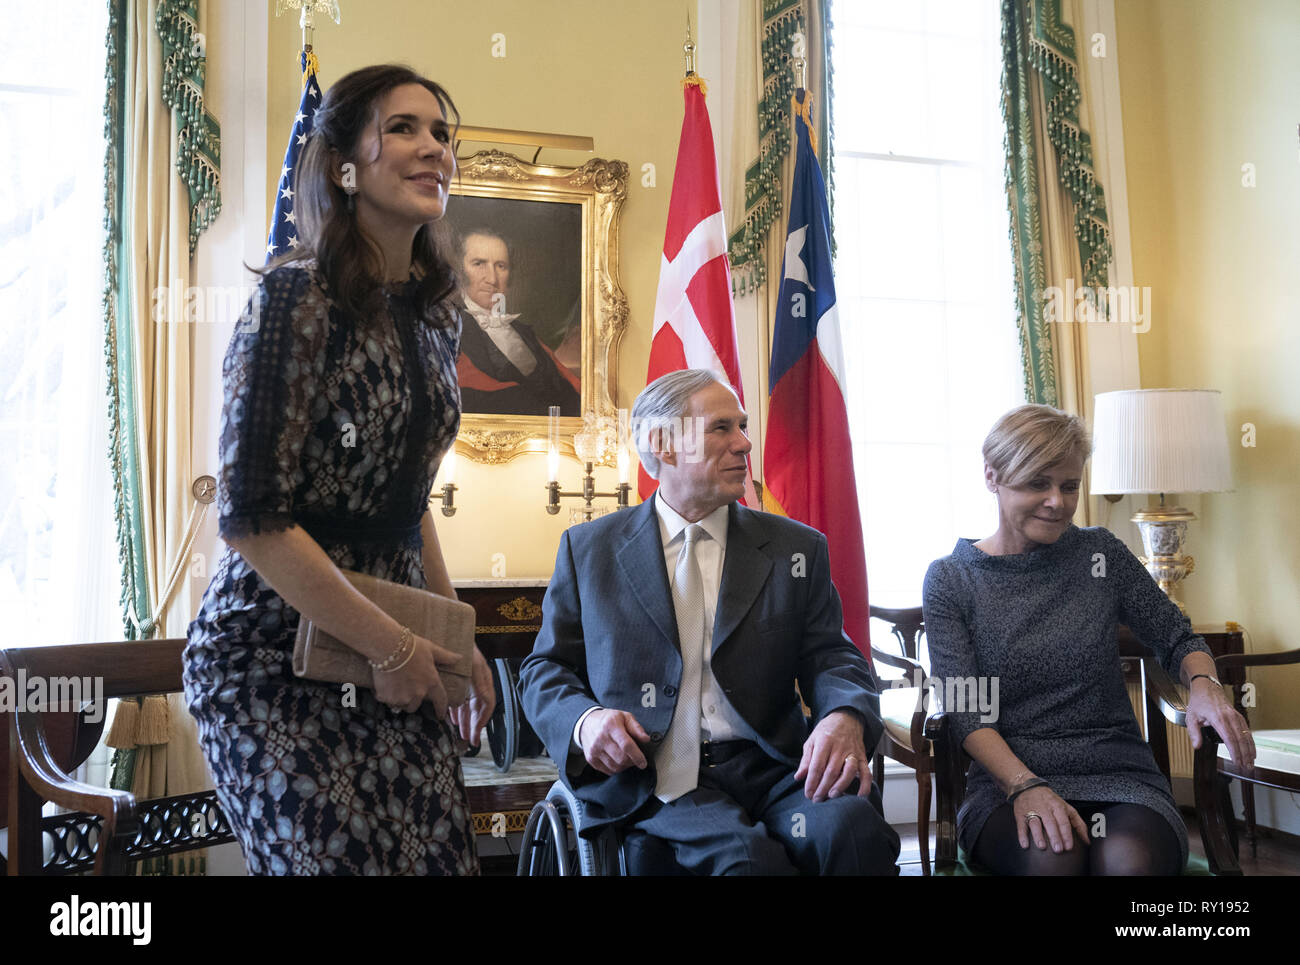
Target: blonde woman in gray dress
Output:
[(1062, 781)]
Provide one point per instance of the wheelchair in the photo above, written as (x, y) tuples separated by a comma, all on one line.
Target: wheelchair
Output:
[(553, 847)]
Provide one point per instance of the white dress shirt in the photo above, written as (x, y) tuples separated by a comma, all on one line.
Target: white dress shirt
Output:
[(500, 329), (719, 720)]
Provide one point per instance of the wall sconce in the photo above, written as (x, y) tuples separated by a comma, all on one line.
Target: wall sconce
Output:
[(592, 445), (448, 472)]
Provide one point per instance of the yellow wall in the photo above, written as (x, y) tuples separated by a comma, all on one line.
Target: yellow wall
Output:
[(588, 67), (1206, 87)]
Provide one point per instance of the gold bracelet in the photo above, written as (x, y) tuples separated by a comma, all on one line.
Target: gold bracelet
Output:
[(406, 637), (409, 655)]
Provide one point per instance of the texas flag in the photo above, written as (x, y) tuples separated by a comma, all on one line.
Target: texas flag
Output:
[(695, 325), (807, 455)]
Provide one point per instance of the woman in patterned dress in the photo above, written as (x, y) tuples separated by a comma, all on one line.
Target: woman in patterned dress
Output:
[(1062, 781), (340, 401)]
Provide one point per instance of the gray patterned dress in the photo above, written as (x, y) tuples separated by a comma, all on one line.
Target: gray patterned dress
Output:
[(338, 430), (1044, 624)]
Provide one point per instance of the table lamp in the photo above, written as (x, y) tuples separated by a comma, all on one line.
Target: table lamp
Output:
[(1161, 441)]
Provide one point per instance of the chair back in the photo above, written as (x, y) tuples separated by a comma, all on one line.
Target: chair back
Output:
[(907, 624)]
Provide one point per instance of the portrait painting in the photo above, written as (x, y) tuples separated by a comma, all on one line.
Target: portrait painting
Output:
[(520, 268), (535, 249)]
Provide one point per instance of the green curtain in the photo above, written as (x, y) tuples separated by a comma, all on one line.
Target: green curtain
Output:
[(1039, 60), (764, 185), (198, 148), (782, 19), (197, 162), (124, 443)]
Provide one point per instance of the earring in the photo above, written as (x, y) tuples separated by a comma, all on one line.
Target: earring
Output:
[(350, 205)]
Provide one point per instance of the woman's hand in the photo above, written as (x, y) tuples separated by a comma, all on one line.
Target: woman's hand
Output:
[(1208, 704), (468, 719), (1042, 814), (418, 680)]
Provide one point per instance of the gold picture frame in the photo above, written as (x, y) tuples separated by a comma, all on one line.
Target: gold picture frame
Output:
[(501, 193)]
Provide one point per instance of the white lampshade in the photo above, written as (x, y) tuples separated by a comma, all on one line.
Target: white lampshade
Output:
[(1160, 441)]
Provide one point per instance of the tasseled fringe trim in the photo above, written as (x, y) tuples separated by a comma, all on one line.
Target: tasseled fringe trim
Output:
[(124, 732), (155, 721), (310, 68), (695, 80), (140, 722)]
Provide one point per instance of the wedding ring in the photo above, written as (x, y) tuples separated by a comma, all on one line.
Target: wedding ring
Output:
[(1033, 814)]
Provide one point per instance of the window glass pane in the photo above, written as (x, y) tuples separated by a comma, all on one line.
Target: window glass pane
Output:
[(59, 576), (923, 274)]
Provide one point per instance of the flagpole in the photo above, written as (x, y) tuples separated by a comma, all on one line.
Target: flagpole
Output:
[(688, 48)]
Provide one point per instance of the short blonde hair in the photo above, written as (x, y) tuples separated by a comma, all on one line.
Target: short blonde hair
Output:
[(1031, 438)]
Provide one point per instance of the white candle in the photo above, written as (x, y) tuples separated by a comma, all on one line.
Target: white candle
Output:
[(449, 467), (623, 441), (553, 445)]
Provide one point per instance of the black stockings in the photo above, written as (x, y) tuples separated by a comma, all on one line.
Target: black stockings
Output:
[(1137, 841)]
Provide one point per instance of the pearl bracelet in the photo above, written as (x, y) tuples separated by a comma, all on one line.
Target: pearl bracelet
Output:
[(405, 639)]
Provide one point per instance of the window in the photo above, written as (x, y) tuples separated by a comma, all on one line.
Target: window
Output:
[(59, 575), (923, 273)]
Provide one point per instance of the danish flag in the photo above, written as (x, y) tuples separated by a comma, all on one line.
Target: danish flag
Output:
[(695, 325)]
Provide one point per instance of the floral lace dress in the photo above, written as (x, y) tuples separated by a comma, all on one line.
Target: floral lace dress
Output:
[(338, 431)]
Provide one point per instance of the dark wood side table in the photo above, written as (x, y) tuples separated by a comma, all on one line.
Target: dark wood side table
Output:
[(508, 616)]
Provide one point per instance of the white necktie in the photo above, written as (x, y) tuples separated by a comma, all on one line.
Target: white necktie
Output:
[(498, 327), (678, 760)]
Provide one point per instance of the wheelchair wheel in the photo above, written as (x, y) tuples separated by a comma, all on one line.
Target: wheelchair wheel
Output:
[(550, 844), (503, 727)]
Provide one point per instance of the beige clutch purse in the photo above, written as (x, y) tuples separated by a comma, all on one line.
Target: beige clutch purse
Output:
[(447, 622)]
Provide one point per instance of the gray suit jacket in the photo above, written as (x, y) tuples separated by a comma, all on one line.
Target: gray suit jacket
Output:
[(609, 638)]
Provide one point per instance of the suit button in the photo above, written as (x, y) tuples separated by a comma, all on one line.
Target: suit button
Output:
[(669, 690), (656, 737)]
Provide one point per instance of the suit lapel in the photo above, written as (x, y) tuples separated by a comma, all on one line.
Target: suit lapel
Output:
[(641, 558), (745, 572)]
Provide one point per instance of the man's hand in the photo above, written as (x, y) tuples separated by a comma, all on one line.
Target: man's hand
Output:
[(609, 741), (833, 757)]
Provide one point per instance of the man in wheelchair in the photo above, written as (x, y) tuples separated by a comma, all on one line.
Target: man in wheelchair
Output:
[(663, 680)]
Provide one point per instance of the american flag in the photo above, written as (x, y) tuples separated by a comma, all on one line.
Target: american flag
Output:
[(284, 230)]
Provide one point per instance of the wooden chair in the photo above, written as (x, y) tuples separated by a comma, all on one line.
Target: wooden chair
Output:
[(1277, 765), (107, 829), (903, 710)]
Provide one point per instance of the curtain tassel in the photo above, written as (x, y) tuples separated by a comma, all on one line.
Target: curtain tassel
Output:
[(155, 721), (125, 730)]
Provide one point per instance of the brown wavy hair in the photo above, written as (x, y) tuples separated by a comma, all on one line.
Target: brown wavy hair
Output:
[(349, 260)]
